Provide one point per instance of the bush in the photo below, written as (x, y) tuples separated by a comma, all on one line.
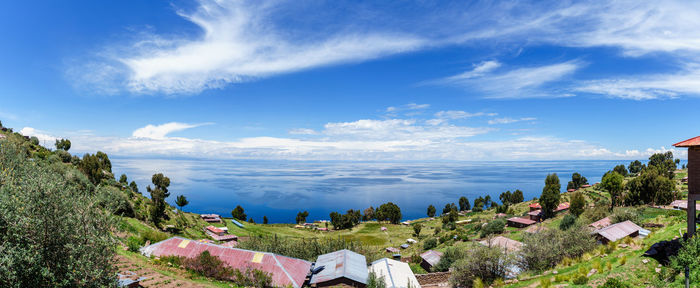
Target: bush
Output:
[(624, 214), (153, 236), (568, 221), (375, 282), (485, 263), (494, 227), (546, 249), (451, 255), (580, 280), (64, 156), (546, 282), (615, 283), (688, 256), (429, 244), (133, 243), (114, 201)]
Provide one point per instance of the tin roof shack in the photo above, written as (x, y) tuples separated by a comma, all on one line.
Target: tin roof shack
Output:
[(430, 258), (519, 222), (340, 268), (285, 271), (396, 274), (211, 218), (219, 234), (509, 245), (693, 145), (617, 231)]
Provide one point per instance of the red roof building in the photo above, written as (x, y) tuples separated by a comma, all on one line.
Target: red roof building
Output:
[(562, 207), (535, 206), (570, 190), (285, 271), (693, 145), (520, 222)]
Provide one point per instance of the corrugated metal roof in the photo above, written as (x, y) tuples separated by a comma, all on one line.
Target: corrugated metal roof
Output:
[(695, 141), (342, 263), (237, 223), (396, 274), (618, 231), (602, 223), (285, 271), (683, 204), (432, 257), (525, 221), (502, 242)]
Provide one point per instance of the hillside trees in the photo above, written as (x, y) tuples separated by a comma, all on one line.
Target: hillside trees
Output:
[(62, 144), (431, 210), (96, 167), (576, 181), (389, 212), (549, 200), (158, 196), (181, 201), (650, 187), (578, 204), (508, 198), (664, 163), (620, 169), (52, 233), (238, 213), (369, 214), (612, 181), (482, 262), (301, 217), (134, 187), (345, 221), (635, 167), (464, 204)]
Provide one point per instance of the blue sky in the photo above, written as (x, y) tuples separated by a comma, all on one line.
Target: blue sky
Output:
[(336, 80)]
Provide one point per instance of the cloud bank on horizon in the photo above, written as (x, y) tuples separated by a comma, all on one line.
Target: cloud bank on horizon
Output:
[(240, 41)]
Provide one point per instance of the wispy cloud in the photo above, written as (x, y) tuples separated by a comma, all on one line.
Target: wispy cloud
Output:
[(508, 120), (161, 131), (660, 86)]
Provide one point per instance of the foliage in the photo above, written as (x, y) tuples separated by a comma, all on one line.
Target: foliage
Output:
[(64, 156), (576, 181), (134, 187), (688, 256), (305, 248), (635, 167), (578, 204), (389, 212), (517, 197), (449, 219), (580, 280), (612, 181), (416, 229), (431, 210), (345, 221), (63, 144), (624, 214), (123, 180), (34, 140), (545, 249), (568, 221), (375, 282), (133, 243), (464, 204), (265, 220), (615, 283), (181, 201), (496, 226), (301, 217), (449, 208), (550, 195), (158, 196), (238, 213), (451, 255), (430, 244), (485, 263), (650, 187), (664, 163), (369, 214), (51, 232), (620, 169), (96, 167), (114, 201)]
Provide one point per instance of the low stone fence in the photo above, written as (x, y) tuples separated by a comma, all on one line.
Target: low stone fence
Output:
[(433, 278)]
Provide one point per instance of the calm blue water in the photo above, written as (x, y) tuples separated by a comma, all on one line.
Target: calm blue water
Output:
[(280, 189)]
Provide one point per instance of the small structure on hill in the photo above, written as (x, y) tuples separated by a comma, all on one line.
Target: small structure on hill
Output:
[(571, 190), (211, 218), (219, 234), (534, 206), (600, 224), (519, 222), (396, 274), (383, 228), (340, 268), (392, 250), (617, 231), (500, 215), (237, 223), (430, 258), (404, 246), (411, 241), (585, 186), (507, 244), (693, 145), (128, 279), (285, 271)]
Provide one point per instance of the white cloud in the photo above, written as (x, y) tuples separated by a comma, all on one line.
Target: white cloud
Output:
[(302, 131), (44, 137), (648, 86), (160, 131), (515, 83), (508, 120), (478, 71)]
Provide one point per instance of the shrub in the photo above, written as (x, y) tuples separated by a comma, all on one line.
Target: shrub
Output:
[(568, 221), (494, 227), (448, 258), (546, 249), (545, 282), (375, 282), (485, 263), (580, 280), (623, 260), (133, 243), (429, 244), (624, 214), (688, 256), (437, 230), (615, 283), (153, 236)]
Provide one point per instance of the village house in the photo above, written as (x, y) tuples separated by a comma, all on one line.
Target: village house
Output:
[(618, 231), (211, 218), (219, 234), (519, 222), (342, 268), (602, 223), (396, 274), (429, 259)]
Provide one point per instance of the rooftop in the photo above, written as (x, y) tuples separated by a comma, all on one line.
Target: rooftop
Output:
[(396, 274), (695, 141), (432, 257), (525, 221), (341, 264), (602, 223), (618, 231)]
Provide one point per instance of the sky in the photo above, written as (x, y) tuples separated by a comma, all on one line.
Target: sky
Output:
[(341, 80)]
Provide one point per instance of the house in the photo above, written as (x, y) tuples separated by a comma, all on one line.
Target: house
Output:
[(404, 246), (535, 215), (322, 229), (396, 274), (585, 186), (617, 231), (285, 271), (299, 226), (519, 222), (411, 241), (310, 225), (340, 268), (211, 218), (219, 234), (693, 145), (600, 224), (562, 207), (570, 190), (535, 206), (430, 258), (392, 250), (508, 245), (406, 223)]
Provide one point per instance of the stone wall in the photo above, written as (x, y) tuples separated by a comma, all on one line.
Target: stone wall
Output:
[(433, 278)]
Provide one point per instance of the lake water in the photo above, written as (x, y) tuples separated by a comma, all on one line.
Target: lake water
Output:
[(280, 189)]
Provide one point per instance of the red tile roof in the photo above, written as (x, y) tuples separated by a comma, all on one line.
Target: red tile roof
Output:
[(689, 143), (602, 223), (285, 271), (535, 205)]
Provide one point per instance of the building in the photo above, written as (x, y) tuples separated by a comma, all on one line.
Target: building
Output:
[(562, 207), (570, 190), (392, 250), (535, 215), (508, 245), (585, 186), (693, 145), (535, 206), (285, 271), (617, 231), (430, 258), (340, 268), (519, 222), (219, 234), (683, 205), (211, 218), (396, 274), (600, 224)]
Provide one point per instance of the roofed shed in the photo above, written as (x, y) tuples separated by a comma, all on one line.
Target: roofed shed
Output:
[(340, 268), (396, 274), (430, 258), (693, 145), (617, 231), (520, 222)]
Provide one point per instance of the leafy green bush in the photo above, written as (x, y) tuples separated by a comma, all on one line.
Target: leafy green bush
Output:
[(546, 282), (375, 282), (429, 244), (451, 255), (494, 227), (624, 214), (114, 200), (580, 280), (133, 243), (153, 236), (615, 283), (485, 263), (568, 221), (306, 248), (546, 249)]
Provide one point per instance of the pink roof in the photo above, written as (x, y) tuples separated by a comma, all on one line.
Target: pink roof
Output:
[(570, 190), (535, 205), (585, 185), (215, 229), (499, 241), (602, 223), (695, 141), (562, 206), (525, 221), (226, 237), (285, 271), (534, 213), (392, 250)]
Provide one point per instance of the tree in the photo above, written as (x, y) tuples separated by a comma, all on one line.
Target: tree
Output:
[(301, 217), (34, 140), (650, 187), (482, 262), (134, 187), (620, 169), (576, 181), (578, 203), (550, 195), (613, 183), (158, 196), (449, 218), (664, 162), (517, 197), (688, 256), (635, 167), (568, 221), (496, 226), (369, 214), (487, 201), (464, 204), (505, 197), (431, 210), (181, 201), (416, 229), (238, 213), (449, 208), (123, 180), (63, 144), (389, 212), (264, 219), (96, 167), (479, 204)]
